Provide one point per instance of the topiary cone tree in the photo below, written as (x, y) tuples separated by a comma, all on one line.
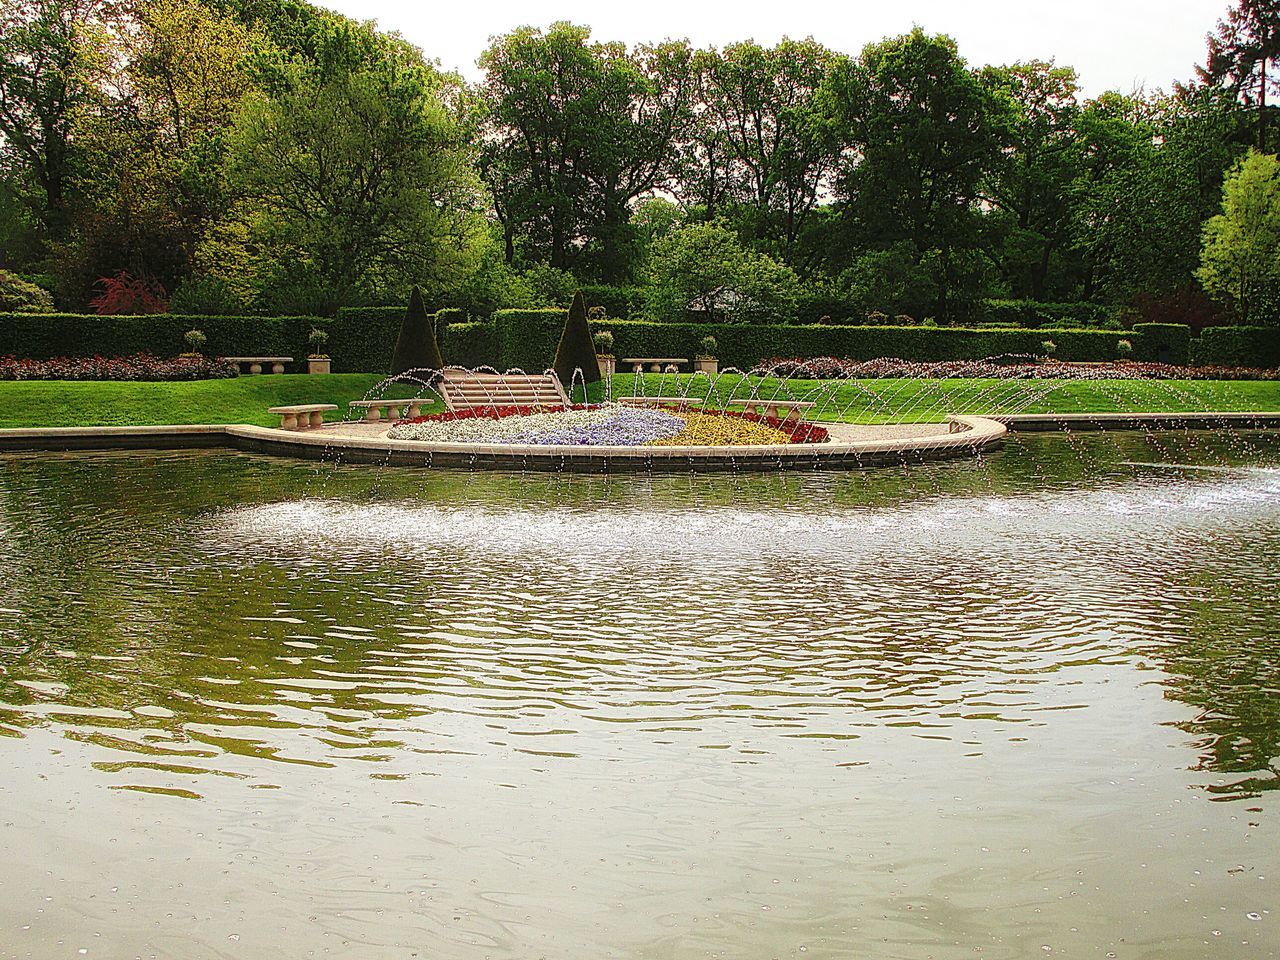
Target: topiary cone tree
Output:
[(576, 350), (416, 346)]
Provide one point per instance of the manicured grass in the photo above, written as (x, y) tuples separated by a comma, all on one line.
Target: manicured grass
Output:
[(878, 401), (246, 399), (241, 400)]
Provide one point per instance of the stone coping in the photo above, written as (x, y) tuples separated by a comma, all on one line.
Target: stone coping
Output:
[(969, 436), (1205, 420)]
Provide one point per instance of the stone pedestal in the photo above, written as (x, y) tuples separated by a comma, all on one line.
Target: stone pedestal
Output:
[(317, 364), (707, 365)]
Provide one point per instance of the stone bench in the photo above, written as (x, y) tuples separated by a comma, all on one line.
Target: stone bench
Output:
[(373, 409), (680, 403), (778, 409), (255, 364), (655, 364), (303, 415)]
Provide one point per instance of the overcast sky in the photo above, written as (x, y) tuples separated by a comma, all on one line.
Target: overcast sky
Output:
[(1113, 44)]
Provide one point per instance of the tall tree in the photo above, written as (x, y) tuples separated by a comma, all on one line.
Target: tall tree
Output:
[(356, 169), (578, 132), (768, 135), (1241, 261), (923, 136), (50, 60), (154, 144), (1244, 56), (1030, 188)]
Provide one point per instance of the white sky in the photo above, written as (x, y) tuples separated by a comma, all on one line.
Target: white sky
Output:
[(1113, 44)]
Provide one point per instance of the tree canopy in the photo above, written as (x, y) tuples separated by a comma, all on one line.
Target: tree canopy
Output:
[(270, 156)]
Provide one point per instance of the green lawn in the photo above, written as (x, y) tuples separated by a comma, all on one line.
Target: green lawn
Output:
[(246, 399)]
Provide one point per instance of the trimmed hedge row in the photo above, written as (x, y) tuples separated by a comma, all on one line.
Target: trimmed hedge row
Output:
[(357, 344), (1238, 347), (527, 339), (470, 344), (1032, 314)]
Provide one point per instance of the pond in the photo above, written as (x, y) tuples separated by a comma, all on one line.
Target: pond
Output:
[(1022, 706)]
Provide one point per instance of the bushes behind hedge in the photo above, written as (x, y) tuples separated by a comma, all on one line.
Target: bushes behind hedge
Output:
[(1237, 346)]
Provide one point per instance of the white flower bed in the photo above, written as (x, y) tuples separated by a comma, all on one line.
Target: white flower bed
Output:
[(605, 426)]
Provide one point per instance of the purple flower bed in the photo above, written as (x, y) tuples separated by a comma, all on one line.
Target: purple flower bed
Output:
[(1018, 368), (139, 367)]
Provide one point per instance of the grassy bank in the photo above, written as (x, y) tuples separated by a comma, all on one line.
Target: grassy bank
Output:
[(246, 399)]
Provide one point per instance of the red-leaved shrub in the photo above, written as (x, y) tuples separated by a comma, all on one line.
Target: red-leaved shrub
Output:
[(126, 294)]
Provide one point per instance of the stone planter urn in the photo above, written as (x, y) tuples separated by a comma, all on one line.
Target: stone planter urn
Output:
[(608, 365), (317, 364), (707, 365)]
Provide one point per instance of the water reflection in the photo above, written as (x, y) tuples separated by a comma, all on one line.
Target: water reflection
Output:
[(671, 656)]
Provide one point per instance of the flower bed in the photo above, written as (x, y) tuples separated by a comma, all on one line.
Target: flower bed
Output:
[(138, 367), (604, 425), (1019, 368)]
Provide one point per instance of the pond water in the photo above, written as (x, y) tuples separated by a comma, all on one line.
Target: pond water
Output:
[(1027, 706)]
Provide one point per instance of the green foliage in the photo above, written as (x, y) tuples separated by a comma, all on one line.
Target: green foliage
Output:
[(1238, 347), (1163, 342), (922, 133), (622, 301), (1240, 265), (527, 337), (1031, 313), (576, 353), (206, 295), (618, 114), (471, 344), (359, 344), (703, 268), (603, 341), (195, 340), (416, 347), (317, 339), (356, 171), (19, 295)]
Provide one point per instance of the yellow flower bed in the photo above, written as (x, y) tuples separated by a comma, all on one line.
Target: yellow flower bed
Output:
[(714, 430)]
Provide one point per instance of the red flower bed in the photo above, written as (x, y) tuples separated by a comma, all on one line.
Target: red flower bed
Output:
[(1017, 368), (139, 367)]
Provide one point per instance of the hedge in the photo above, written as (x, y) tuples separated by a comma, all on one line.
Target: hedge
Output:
[(1238, 347), (1162, 342), (470, 344), (527, 339), (359, 342)]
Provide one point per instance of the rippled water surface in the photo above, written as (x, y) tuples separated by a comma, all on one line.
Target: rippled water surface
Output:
[(1023, 707)]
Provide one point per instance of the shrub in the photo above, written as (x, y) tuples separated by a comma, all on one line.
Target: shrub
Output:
[(19, 295), (317, 338), (416, 347), (1048, 348), (707, 348), (623, 302), (1238, 346), (603, 340), (1030, 314), (138, 367), (202, 295), (576, 351), (126, 294), (196, 340), (1124, 349)]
